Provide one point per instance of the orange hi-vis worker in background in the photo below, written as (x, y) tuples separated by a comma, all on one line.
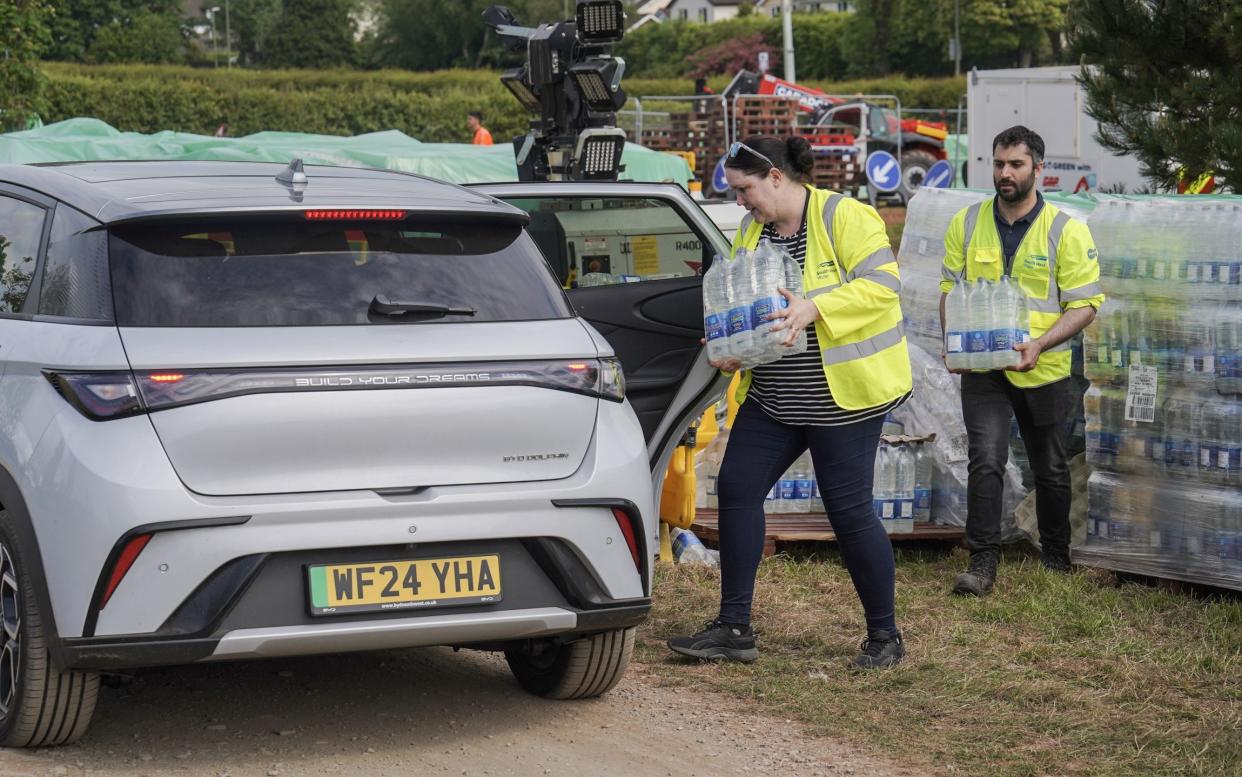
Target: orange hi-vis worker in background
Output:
[(474, 120)]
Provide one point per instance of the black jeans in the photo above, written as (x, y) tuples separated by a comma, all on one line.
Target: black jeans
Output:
[(989, 400), (760, 450)]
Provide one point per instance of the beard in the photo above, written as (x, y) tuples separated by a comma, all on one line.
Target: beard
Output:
[(1020, 189)]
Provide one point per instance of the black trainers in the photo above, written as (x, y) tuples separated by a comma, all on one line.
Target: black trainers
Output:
[(1056, 559), (880, 649), (718, 641), (979, 577)]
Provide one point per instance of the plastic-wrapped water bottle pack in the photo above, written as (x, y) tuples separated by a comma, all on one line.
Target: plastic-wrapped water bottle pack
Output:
[(1164, 413), (738, 297)]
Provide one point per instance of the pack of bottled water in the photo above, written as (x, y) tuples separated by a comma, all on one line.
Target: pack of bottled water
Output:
[(901, 491), (738, 297), (983, 322), (797, 490), (1164, 413)]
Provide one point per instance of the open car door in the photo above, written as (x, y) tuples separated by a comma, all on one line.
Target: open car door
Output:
[(631, 258)]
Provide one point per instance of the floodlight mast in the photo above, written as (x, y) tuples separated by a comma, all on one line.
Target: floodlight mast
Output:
[(570, 83)]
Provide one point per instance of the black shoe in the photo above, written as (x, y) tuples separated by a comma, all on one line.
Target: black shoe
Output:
[(1056, 559), (880, 649), (718, 641), (979, 577)]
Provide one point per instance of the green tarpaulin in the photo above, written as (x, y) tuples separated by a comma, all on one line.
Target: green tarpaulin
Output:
[(76, 140)]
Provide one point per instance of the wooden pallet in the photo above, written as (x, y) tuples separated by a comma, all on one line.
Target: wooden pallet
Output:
[(786, 529)]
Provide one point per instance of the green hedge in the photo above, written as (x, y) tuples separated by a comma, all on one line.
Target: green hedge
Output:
[(427, 106)]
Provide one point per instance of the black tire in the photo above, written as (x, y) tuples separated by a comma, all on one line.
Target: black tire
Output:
[(914, 167), (591, 666), (40, 706)]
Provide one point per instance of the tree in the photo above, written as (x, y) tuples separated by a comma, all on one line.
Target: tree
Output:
[(24, 35), (1164, 79), (730, 56), (79, 21), (251, 21), (148, 38), (432, 34), (312, 33)]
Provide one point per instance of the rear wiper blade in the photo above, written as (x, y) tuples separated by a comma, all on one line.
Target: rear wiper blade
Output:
[(383, 306)]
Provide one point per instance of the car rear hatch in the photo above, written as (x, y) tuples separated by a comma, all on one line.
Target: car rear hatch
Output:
[(338, 350)]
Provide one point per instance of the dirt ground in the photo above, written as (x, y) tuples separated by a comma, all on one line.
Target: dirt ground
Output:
[(418, 712)]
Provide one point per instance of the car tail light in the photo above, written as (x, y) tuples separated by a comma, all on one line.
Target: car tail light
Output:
[(354, 215), (105, 395), (98, 395), (125, 560), (629, 532)]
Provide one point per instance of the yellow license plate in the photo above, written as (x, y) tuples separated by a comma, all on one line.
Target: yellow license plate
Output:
[(410, 583)]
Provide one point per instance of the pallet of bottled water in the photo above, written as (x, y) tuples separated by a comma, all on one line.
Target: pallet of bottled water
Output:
[(1164, 413), (738, 297)]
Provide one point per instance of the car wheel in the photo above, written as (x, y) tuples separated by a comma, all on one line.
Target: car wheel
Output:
[(40, 706), (588, 667), (914, 167)]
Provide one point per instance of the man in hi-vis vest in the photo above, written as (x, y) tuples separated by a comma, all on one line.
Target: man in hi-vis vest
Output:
[(1052, 261)]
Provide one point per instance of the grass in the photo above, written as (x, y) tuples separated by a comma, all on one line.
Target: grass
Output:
[(1050, 675)]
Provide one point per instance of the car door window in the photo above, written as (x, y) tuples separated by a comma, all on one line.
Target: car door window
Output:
[(21, 228), (75, 271), (596, 241)]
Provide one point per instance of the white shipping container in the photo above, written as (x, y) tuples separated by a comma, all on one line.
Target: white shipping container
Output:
[(1049, 101)]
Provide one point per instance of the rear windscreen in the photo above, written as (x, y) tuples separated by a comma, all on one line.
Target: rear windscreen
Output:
[(292, 272)]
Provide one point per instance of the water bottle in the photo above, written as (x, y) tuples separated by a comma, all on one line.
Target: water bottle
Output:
[(769, 501), (802, 484), (1199, 369), (767, 274), (716, 310), (1002, 338), (956, 327), (689, 549), (979, 300), (924, 465), (1228, 348), (793, 282), (884, 492), (903, 476), (1229, 444), (1212, 419), (1093, 402), (785, 488), (741, 321)]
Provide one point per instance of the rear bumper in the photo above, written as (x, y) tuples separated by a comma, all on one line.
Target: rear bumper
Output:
[(464, 630)]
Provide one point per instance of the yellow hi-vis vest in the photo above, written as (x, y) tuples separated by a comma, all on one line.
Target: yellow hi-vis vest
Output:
[(1055, 266), (851, 275)]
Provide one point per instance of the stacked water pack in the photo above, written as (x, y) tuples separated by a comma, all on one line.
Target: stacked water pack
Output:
[(902, 491), (1164, 416), (983, 322), (739, 295), (797, 491)]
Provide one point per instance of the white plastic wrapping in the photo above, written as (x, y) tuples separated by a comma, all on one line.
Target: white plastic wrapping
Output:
[(1164, 413)]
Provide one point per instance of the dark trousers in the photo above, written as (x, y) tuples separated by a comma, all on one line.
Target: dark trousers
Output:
[(989, 400), (760, 450)]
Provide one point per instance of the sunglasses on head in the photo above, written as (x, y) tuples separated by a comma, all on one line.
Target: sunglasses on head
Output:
[(738, 145)]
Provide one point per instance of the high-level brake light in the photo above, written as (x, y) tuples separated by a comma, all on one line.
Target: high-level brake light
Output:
[(355, 215)]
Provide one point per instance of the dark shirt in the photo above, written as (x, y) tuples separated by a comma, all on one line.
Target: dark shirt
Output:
[(1011, 234)]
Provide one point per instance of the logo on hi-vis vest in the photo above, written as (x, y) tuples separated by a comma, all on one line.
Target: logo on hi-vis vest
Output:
[(1035, 263), (1092, 254), (826, 267)]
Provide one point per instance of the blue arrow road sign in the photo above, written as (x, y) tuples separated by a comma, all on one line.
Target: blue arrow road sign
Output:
[(719, 182), (940, 175), (883, 171)]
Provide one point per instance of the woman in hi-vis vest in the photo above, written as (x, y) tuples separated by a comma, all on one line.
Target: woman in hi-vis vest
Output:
[(831, 399)]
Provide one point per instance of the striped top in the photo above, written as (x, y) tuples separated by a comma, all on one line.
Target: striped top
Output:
[(793, 390)]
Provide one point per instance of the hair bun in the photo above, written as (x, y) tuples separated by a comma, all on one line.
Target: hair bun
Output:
[(798, 150)]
